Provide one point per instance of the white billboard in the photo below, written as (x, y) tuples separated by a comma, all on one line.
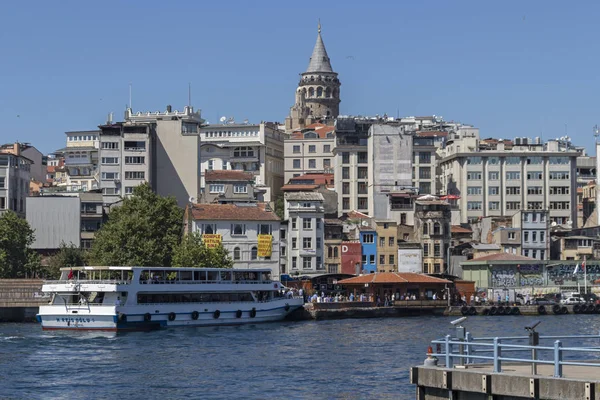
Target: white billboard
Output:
[(410, 260)]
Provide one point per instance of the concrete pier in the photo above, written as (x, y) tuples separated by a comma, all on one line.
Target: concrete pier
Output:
[(479, 382), (20, 299)]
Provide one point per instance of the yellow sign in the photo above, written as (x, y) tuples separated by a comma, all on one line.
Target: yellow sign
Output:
[(211, 241), (265, 245)]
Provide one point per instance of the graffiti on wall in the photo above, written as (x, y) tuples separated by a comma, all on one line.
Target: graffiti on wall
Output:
[(561, 274), (504, 277), (531, 275)]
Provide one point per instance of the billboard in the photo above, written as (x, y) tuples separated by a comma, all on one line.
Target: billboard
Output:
[(265, 245), (410, 260), (211, 240), (351, 255)]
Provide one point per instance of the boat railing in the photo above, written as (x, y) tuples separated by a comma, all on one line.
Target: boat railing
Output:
[(174, 281), (88, 282), (472, 351)]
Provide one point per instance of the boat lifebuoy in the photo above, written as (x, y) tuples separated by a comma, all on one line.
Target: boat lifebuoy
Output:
[(287, 307), (238, 314), (216, 314), (172, 316), (541, 310), (122, 317), (195, 315), (147, 317), (253, 313)]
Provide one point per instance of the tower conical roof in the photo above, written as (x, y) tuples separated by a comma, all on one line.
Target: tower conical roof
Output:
[(319, 61)]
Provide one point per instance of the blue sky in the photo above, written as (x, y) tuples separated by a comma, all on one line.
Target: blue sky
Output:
[(512, 68)]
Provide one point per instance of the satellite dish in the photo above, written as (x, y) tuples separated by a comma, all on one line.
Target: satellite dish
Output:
[(553, 223), (192, 199), (223, 119)]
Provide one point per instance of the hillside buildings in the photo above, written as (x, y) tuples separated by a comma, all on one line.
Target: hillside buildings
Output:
[(309, 150), (14, 180), (253, 148)]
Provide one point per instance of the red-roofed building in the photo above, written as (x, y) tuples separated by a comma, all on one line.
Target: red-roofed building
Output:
[(248, 231), (398, 285), (226, 186)]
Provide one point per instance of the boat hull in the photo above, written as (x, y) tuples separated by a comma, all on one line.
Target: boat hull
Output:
[(163, 316)]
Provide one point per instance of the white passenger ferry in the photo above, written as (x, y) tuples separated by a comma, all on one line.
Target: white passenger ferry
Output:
[(143, 298)]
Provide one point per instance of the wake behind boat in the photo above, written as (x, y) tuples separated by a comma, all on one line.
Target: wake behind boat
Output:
[(141, 298)]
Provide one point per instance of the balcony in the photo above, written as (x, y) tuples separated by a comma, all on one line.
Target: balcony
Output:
[(78, 161), (401, 206)]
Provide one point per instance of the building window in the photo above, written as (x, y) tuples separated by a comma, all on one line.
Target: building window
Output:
[(474, 176), (425, 228), (381, 259), (537, 190), (474, 190), (283, 251), (320, 263), (312, 148), (526, 236), (363, 173), (493, 190), (129, 189), (307, 243), (346, 173), (318, 223), (559, 175), (474, 205), (345, 203), (542, 237), (211, 165), (296, 163), (217, 188), (536, 205), (243, 152), (382, 241), (135, 175), (364, 258), (2, 182), (294, 262), (294, 243), (368, 238), (209, 229), (426, 249), (254, 253), (238, 229), (335, 252), (237, 254), (473, 160), (110, 191), (306, 223), (318, 243), (513, 190), (106, 176), (391, 241), (437, 228), (513, 175), (110, 145), (296, 149), (312, 163), (513, 205), (392, 259), (424, 157), (363, 203), (306, 262), (326, 148), (110, 160), (363, 157), (493, 160), (134, 160), (534, 175), (345, 158), (493, 176), (494, 205), (513, 160), (372, 259), (424, 173), (240, 188), (363, 188)]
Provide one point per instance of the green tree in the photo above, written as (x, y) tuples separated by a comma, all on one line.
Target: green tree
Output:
[(68, 256), (280, 207), (191, 252), (143, 231), (17, 260)]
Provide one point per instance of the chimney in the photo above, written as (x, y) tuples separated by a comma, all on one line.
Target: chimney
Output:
[(17, 149), (169, 108)]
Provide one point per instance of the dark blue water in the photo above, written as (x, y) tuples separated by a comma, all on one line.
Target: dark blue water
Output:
[(344, 359)]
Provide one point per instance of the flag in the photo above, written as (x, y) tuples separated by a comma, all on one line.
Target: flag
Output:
[(583, 265), (576, 269), (70, 276)]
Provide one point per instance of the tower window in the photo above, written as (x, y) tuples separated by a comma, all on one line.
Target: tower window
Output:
[(319, 92), (328, 92), (311, 92)]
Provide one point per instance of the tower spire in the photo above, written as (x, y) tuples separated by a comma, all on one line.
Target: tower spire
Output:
[(319, 61), (319, 25)]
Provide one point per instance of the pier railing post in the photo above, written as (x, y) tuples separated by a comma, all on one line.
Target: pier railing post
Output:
[(468, 339), (449, 359), (558, 359), (497, 355)]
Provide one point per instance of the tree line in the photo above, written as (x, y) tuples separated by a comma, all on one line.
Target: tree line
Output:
[(144, 230)]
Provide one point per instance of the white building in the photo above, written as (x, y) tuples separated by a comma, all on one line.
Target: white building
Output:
[(237, 227), (309, 151), (81, 161), (14, 180), (305, 213), (254, 148)]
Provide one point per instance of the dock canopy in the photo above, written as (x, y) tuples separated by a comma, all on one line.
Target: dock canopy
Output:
[(381, 283)]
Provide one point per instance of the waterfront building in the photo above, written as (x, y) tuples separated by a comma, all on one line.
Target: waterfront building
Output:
[(305, 215), (81, 161), (387, 245), (253, 148), (14, 180), (333, 243), (318, 183), (228, 187), (248, 231), (161, 148), (577, 247), (493, 179), (535, 233), (351, 257), (318, 92), (410, 257), (432, 230), (37, 167), (397, 285), (64, 217), (509, 239), (424, 165), (309, 151), (368, 242), (588, 204)]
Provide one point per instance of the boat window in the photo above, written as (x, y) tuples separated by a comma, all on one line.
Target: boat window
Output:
[(225, 275), (266, 276), (199, 275), (186, 275), (213, 275), (194, 297)]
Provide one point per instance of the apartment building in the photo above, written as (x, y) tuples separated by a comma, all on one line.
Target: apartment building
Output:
[(500, 180), (249, 232), (229, 186), (508, 238), (535, 233), (387, 245), (333, 243), (432, 230), (309, 151), (305, 239), (162, 148), (424, 165), (253, 148), (37, 168), (81, 161), (14, 180)]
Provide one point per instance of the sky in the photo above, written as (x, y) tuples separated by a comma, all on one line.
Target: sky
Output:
[(511, 68)]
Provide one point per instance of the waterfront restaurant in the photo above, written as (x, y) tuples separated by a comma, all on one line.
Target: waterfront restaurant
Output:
[(400, 284)]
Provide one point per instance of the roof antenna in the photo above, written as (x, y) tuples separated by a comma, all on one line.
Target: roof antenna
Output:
[(130, 96), (190, 94)]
